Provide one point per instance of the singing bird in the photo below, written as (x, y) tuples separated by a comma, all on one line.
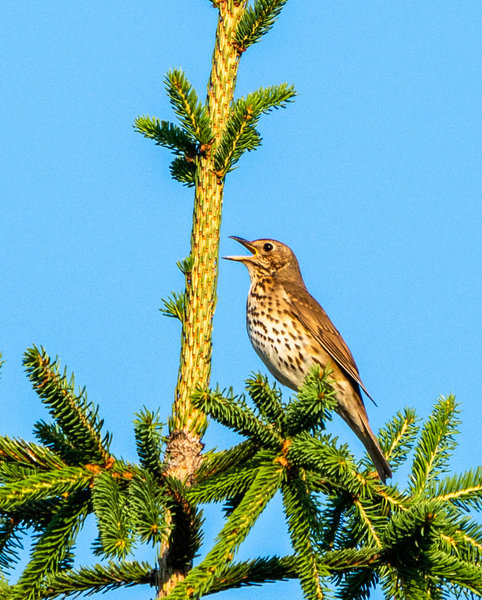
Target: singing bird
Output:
[(291, 332)]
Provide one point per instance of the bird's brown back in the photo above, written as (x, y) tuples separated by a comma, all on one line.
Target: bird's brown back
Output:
[(313, 317)]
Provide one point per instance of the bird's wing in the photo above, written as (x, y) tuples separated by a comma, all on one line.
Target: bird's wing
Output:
[(312, 316)]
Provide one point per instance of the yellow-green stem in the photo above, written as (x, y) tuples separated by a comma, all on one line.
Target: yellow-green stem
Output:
[(196, 344), (183, 452)]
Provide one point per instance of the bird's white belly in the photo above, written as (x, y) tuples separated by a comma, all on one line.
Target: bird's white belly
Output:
[(279, 344)]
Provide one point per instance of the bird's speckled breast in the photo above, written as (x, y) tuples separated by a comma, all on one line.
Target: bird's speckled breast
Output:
[(276, 335)]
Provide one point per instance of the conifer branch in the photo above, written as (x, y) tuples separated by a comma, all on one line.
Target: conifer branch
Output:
[(365, 519), (53, 545), (149, 441), (240, 134), (217, 462), (52, 436), (98, 578), (10, 543), (390, 498), (332, 519), (257, 21), (233, 412), (358, 583), (230, 483), (263, 100), (351, 558), (200, 580), (312, 405), (166, 134), (435, 444), (267, 399), (185, 266), (475, 545), (28, 454), (147, 508), (322, 456), (43, 485), (255, 572), (6, 591), (77, 417), (173, 306), (468, 539), (398, 437), (421, 521), (188, 108), (463, 540), (184, 171), (461, 573), (302, 516), (36, 514), (464, 490), (111, 509), (240, 137)]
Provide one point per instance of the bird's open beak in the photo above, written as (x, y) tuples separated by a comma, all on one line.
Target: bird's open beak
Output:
[(246, 244)]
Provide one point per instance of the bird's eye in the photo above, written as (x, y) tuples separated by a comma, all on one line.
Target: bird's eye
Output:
[(268, 247)]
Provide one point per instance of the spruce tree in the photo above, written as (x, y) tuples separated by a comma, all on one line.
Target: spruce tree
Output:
[(349, 532)]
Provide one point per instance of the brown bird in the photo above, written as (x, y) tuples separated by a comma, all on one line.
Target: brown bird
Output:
[(291, 332)]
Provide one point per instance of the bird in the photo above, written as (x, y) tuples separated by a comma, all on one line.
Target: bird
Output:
[(291, 332)]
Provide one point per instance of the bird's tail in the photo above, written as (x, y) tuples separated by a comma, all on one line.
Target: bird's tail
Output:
[(373, 448), (353, 411)]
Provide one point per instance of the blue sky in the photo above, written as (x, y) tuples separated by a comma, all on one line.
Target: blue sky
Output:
[(373, 176)]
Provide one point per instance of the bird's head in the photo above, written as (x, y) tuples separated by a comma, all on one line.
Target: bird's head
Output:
[(268, 258)]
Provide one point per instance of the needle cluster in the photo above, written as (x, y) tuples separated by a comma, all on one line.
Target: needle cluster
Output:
[(348, 531)]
